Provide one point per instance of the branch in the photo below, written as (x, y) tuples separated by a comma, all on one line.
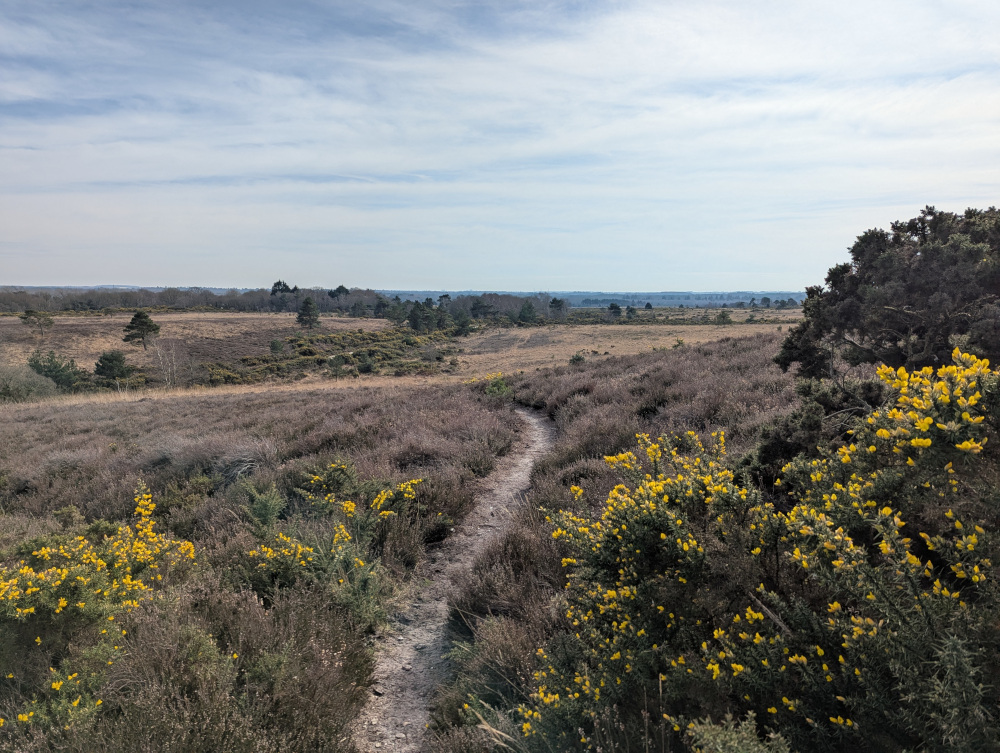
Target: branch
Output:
[(777, 620)]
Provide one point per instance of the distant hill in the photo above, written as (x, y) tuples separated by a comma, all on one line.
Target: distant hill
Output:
[(601, 299)]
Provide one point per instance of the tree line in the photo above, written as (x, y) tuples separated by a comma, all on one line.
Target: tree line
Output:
[(439, 313)]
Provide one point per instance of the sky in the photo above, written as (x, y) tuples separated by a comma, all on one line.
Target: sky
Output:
[(495, 144)]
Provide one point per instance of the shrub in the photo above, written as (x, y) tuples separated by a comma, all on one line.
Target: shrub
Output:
[(67, 376), (111, 365), (496, 386), (19, 384), (862, 614), (66, 588)]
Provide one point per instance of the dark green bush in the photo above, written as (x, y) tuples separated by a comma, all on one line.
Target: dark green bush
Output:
[(67, 376)]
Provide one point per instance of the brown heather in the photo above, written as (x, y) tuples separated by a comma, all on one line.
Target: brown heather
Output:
[(599, 407), (91, 453)]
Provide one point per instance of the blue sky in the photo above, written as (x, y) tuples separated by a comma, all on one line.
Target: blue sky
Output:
[(493, 145)]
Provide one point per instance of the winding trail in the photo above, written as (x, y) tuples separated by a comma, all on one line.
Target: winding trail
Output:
[(411, 664)]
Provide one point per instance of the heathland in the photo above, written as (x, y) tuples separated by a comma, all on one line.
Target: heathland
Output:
[(765, 535), (232, 553)]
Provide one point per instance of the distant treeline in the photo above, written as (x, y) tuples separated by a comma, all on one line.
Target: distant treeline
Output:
[(719, 300), (282, 297), (109, 299)]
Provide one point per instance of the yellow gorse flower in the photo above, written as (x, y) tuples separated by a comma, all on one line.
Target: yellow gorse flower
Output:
[(635, 569), (111, 575)]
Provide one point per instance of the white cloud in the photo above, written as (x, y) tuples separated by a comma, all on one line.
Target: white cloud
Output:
[(541, 144)]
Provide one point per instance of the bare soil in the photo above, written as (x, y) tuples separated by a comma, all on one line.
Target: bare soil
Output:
[(411, 659)]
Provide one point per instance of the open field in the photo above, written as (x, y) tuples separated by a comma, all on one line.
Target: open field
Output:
[(202, 347), (197, 336), (92, 450), (513, 349)]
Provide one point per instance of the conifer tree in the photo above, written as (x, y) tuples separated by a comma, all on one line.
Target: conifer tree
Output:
[(140, 329), (308, 316)]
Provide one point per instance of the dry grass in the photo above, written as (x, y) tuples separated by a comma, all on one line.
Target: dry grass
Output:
[(196, 336), (188, 339), (310, 383), (510, 350), (730, 383)]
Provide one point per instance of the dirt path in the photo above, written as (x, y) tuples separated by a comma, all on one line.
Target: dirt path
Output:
[(410, 664)]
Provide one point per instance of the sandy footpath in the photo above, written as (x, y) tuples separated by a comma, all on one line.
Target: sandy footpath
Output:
[(410, 663)]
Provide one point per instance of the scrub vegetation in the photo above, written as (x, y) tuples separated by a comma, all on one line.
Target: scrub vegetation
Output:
[(210, 569), (718, 559), (741, 538)]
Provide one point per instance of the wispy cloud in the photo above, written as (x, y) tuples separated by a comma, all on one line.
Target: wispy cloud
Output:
[(467, 144)]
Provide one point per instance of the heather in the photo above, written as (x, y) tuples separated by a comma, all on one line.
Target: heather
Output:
[(211, 567), (848, 606)]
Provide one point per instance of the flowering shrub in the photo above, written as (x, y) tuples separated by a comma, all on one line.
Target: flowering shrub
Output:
[(326, 491), (95, 579), (341, 550), (71, 584), (859, 611)]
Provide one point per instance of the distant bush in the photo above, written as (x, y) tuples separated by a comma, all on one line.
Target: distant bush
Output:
[(495, 385), (19, 384), (344, 354)]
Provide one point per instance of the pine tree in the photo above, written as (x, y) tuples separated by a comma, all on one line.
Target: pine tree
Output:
[(40, 319), (111, 365), (140, 329), (308, 316)]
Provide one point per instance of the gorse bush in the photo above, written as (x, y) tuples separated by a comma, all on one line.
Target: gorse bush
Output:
[(340, 549), (338, 354), (119, 570), (859, 613), (68, 586)]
